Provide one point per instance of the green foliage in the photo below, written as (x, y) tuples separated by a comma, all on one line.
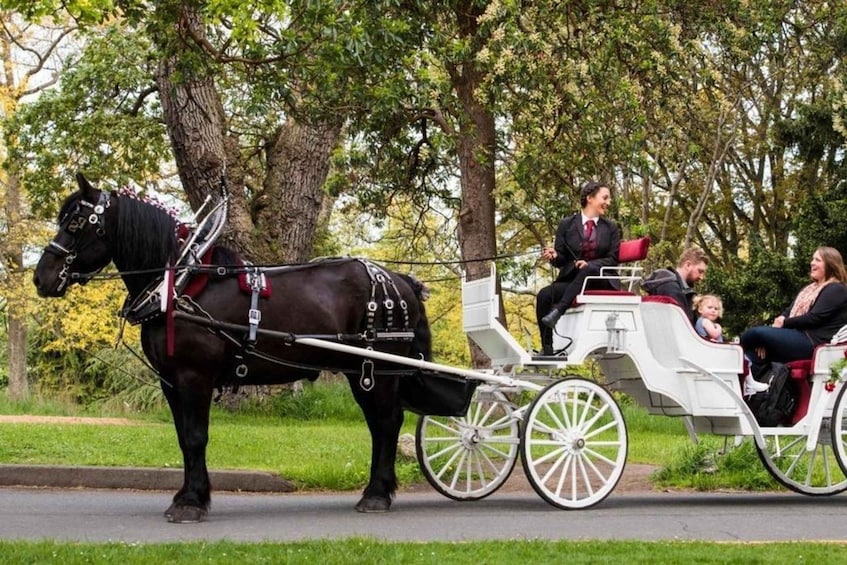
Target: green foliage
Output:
[(102, 119), (755, 291), (126, 385), (328, 398), (641, 95), (821, 220), (113, 379), (705, 466)]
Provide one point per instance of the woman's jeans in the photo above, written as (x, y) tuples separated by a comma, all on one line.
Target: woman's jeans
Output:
[(781, 345)]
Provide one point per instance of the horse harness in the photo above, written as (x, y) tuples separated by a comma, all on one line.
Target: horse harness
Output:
[(73, 222), (165, 293), (382, 309), (385, 307)]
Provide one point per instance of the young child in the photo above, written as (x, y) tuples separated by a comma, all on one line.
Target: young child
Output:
[(709, 308)]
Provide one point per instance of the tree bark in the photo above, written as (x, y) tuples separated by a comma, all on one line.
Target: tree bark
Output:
[(289, 208), (476, 145), (279, 223), (11, 246), (18, 388), (193, 114)]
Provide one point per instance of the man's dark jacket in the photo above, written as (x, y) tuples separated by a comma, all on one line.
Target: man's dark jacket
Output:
[(668, 282)]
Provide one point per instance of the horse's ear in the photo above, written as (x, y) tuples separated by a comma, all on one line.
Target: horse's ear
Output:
[(84, 186)]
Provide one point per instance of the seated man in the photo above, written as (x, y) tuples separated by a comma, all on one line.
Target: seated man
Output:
[(678, 283)]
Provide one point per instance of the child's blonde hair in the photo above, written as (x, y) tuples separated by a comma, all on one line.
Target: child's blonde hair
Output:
[(701, 299)]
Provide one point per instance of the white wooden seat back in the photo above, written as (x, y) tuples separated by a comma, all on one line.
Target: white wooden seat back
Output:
[(480, 312)]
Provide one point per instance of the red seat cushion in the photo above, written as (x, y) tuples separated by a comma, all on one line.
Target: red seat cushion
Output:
[(601, 292), (660, 298), (800, 369), (633, 250)]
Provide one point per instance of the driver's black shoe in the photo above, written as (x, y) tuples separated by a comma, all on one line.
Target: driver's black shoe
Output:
[(550, 319)]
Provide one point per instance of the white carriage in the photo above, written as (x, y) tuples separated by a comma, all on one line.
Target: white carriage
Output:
[(570, 432)]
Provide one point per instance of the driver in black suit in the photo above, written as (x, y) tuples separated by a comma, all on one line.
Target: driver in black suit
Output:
[(585, 242)]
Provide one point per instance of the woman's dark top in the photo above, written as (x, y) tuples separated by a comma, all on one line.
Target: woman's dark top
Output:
[(826, 316)]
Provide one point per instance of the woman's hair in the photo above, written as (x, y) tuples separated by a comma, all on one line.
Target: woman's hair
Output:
[(833, 264), (703, 298), (590, 189)]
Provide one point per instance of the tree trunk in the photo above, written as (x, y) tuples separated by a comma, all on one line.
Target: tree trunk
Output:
[(288, 210), (476, 146), (194, 117), (12, 244), (13, 261)]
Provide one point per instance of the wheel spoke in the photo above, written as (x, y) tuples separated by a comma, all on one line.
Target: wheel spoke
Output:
[(550, 455), (807, 471), (601, 429), (600, 456), (451, 429), (584, 474), (574, 445), (555, 418), (458, 470), (486, 446), (470, 457), (566, 467), (452, 447)]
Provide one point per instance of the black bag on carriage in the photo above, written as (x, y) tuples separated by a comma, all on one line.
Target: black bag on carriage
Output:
[(775, 406), (431, 393)]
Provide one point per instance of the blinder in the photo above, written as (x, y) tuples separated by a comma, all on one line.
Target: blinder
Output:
[(82, 215)]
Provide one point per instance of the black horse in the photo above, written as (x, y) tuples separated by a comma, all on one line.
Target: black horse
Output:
[(331, 298)]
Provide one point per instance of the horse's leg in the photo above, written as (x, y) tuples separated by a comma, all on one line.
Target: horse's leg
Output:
[(190, 401), (381, 407), (172, 396)]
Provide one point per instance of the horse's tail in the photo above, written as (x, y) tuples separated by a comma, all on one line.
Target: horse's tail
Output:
[(422, 344)]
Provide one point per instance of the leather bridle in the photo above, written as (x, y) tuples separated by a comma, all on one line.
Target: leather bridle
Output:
[(82, 215)]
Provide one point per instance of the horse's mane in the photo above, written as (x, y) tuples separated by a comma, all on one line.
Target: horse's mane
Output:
[(145, 236)]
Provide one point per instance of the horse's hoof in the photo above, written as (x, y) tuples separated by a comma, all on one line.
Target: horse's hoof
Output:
[(185, 514), (373, 505)]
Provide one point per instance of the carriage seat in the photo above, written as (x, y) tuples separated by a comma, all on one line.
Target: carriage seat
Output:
[(630, 251), (802, 372)]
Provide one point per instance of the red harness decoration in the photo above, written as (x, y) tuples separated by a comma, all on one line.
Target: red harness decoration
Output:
[(196, 285), (264, 291), (198, 282), (169, 309)]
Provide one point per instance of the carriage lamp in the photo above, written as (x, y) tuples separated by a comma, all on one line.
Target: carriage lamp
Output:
[(615, 334)]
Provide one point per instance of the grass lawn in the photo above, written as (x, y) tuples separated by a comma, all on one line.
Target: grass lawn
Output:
[(360, 550), (319, 441)]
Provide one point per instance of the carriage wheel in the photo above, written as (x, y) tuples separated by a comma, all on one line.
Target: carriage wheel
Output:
[(470, 457), (815, 472), (574, 444), (839, 429)]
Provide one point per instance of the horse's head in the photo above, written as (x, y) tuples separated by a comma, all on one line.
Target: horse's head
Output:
[(80, 246)]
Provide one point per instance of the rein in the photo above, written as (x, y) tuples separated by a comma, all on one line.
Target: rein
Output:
[(223, 270)]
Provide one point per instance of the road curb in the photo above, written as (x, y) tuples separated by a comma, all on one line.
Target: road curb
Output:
[(138, 478)]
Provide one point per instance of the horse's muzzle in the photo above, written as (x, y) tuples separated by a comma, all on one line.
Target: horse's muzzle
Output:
[(46, 290)]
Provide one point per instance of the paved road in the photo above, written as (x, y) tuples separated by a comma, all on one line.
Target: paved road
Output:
[(133, 516)]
